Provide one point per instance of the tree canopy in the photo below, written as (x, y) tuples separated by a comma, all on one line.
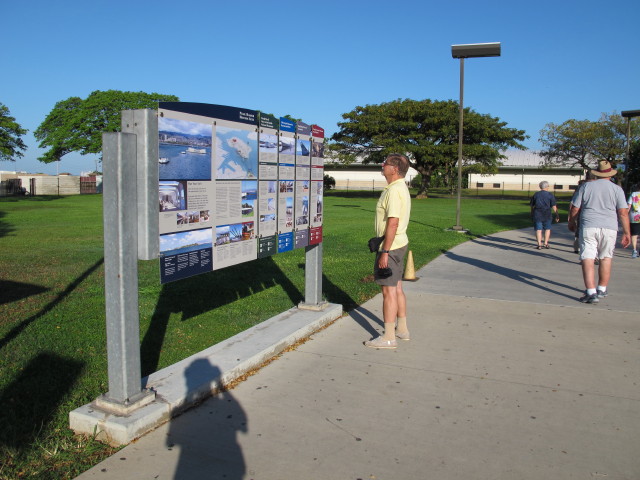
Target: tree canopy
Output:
[(583, 142), (427, 132), (76, 125), (633, 165), (11, 145)]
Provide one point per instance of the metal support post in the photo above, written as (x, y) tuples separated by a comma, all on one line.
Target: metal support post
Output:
[(627, 161), (462, 52), (313, 279), (121, 275), (458, 226), (144, 124)]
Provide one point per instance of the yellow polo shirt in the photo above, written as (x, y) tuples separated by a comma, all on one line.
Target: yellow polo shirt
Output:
[(394, 201)]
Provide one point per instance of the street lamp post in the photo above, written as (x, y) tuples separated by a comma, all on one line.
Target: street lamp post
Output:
[(462, 52), (628, 114)]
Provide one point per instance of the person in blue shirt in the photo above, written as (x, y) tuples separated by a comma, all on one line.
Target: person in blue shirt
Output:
[(543, 204)]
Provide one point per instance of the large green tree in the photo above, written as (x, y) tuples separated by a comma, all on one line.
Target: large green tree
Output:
[(11, 145), (583, 142), (427, 132), (633, 165), (76, 125)]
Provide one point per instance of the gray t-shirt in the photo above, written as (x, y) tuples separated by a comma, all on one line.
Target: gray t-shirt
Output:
[(599, 202)]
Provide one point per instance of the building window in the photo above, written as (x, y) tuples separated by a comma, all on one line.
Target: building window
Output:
[(479, 185), (573, 187), (557, 187), (496, 185)]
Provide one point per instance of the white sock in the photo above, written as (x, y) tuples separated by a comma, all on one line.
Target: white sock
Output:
[(389, 331), (591, 291), (601, 288), (402, 325)]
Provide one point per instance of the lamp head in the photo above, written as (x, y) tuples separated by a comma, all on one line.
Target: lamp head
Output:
[(630, 113), (476, 50)]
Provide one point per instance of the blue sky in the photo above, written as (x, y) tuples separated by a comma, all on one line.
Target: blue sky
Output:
[(560, 59)]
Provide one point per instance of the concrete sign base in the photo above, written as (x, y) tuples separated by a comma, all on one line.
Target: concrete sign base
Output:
[(188, 382)]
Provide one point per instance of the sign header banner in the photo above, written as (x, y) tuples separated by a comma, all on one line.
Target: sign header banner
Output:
[(222, 112), (317, 131), (268, 121), (287, 125), (303, 129)]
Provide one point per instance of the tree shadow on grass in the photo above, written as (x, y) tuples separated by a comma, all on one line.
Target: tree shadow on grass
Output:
[(8, 229), (353, 193), (5, 228), (15, 331), (513, 221), (369, 210), (31, 400), (202, 293), (31, 198)]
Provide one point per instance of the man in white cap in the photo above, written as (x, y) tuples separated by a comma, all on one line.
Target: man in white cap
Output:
[(601, 204)]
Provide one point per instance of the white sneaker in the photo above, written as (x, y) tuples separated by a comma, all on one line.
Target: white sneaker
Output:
[(403, 336), (381, 343)]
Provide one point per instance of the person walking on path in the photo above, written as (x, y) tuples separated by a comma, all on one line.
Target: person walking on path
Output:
[(391, 221), (601, 204), (634, 218), (543, 203)]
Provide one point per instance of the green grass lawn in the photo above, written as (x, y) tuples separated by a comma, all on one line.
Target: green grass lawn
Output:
[(52, 325)]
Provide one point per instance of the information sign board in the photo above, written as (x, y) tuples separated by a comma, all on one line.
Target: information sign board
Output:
[(234, 185), (316, 201), (268, 185)]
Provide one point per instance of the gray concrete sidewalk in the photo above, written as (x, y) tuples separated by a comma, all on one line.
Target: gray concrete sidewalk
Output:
[(507, 376)]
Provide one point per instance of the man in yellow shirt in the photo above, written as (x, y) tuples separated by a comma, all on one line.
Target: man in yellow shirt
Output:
[(392, 218)]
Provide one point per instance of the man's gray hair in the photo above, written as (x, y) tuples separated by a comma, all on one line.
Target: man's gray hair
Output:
[(400, 161), (543, 184)]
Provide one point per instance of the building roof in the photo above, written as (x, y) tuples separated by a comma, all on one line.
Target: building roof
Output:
[(515, 158), (521, 158)]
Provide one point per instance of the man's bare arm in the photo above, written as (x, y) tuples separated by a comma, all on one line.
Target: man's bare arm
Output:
[(573, 215), (623, 216), (389, 236)]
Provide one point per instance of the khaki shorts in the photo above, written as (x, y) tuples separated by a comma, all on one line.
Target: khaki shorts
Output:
[(597, 243), (396, 264)]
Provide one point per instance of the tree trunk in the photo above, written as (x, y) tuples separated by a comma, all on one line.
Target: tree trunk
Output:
[(425, 182), (451, 178)]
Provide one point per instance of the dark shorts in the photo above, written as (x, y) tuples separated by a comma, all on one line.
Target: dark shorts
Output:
[(543, 225), (396, 264), (635, 228)]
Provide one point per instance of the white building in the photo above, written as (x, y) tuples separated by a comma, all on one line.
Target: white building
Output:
[(522, 170), (42, 184), (360, 176)]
